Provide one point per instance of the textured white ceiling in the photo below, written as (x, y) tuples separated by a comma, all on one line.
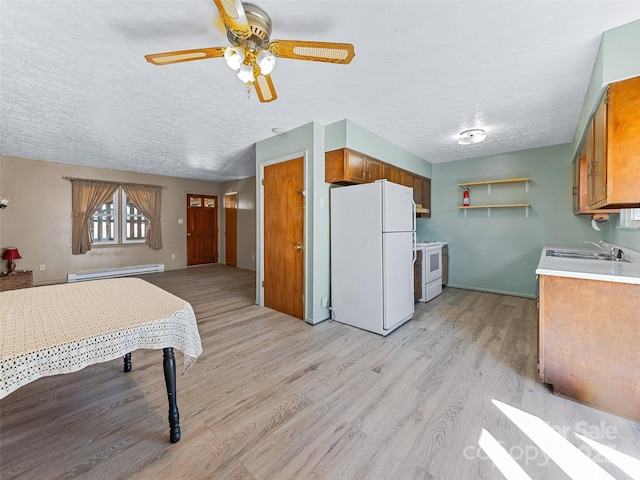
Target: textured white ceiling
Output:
[(75, 86)]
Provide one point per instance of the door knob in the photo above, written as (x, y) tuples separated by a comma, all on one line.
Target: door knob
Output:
[(298, 246), (188, 234)]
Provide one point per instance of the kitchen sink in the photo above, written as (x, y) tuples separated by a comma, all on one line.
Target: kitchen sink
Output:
[(585, 255)]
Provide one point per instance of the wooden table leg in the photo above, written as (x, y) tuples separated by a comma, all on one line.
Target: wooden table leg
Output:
[(169, 365), (127, 362)]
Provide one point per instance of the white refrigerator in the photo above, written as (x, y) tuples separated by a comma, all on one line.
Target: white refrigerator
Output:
[(372, 255)]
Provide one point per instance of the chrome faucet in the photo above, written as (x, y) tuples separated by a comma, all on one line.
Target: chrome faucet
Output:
[(599, 246), (612, 250), (617, 253)]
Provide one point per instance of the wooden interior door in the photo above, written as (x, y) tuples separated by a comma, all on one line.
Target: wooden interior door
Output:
[(284, 237), (202, 229), (231, 228)]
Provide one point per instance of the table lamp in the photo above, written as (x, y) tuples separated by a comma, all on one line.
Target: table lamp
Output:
[(12, 254)]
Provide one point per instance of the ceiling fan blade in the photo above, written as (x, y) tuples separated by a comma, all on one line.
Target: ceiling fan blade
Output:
[(265, 89), (184, 55), (315, 51), (234, 17)]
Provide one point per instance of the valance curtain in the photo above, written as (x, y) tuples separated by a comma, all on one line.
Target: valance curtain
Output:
[(86, 198), (148, 199)]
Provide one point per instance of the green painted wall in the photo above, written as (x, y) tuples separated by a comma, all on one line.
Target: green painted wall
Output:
[(624, 238), (500, 254), (311, 141), (618, 59)]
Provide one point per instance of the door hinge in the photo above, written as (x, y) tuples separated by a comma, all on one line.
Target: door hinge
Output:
[(262, 283), (262, 181)]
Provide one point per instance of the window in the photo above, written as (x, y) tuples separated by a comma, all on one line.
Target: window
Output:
[(134, 226), (104, 222), (630, 218), (114, 225)]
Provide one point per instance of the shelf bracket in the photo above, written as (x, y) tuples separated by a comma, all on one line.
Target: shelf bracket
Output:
[(526, 186), (465, 213), (526, 211), (488, 212), (488, 189)]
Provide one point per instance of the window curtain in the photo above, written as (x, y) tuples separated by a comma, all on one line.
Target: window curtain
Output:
[(148, 199), (86, 198)]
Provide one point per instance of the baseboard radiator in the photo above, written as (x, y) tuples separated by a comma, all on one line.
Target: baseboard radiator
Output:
[(115, 272)]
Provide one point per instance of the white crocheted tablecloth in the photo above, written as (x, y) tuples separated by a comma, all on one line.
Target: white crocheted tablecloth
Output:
[(58, 329)]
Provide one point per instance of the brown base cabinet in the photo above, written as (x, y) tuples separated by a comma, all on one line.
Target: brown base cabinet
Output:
[(589, 334), (347, 167), (417, 276), (445, 264)]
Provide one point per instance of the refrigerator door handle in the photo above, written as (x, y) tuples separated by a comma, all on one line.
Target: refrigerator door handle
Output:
[(415, 239), (415, 255), (415, 213)]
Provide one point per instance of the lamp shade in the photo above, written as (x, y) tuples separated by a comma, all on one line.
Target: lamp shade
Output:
[(11, 254), (234, 57), (266, 61), (246, 73)]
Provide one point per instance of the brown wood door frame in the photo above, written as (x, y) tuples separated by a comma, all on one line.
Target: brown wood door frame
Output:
[(230, 204), (261, 266)]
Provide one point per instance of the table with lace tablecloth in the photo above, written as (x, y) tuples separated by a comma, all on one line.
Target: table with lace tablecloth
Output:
[(57, 329)]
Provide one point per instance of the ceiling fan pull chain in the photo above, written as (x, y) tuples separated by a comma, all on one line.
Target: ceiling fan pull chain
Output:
[(249, 90)]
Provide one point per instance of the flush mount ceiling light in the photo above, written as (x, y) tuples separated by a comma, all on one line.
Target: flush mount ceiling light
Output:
[(475, 135)]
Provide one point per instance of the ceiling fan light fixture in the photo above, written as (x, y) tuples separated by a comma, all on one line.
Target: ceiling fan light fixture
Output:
[(246, 73), (234, 57), (469, 137), (266, 61)]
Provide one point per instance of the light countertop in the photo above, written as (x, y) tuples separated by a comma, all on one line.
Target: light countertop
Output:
[(608, 271)]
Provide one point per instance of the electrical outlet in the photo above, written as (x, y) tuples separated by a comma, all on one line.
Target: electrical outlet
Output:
[(324, 302), (42, 268), (180, 221), (173, 256), (253, 257)]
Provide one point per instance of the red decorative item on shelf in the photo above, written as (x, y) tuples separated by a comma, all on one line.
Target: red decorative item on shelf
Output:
[(12, 254), (465, 198)]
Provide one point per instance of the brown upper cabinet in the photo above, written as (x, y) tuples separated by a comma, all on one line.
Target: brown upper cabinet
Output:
[(613, 166), (582, 176), (393, 174), (425, 211), (374, 170), (346, 167)]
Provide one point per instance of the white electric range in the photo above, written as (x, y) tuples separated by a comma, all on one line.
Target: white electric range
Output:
[(431, 269)]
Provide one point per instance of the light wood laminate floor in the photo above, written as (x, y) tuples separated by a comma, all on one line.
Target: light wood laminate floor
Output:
[(274, 398)]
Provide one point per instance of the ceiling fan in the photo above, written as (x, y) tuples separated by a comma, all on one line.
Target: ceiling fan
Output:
[(252, 54)]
